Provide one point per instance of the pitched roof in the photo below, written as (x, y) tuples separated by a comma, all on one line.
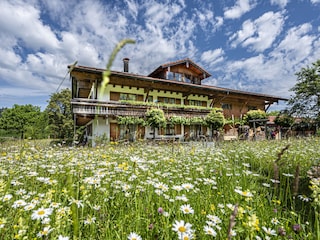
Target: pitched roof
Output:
[(186, 61), (203, 88)]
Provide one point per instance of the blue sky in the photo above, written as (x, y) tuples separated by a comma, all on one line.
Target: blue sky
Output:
[(251, 45)]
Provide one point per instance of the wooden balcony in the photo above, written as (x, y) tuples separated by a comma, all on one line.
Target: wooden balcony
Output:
[(89, 107)]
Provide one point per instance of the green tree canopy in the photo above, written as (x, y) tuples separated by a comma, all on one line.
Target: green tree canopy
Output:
[(60, 115), (22, 119), (254, 115), (306, 99), (283, 119), (155, 118), (215, 119)]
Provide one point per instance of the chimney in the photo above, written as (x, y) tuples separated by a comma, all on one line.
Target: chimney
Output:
[(126, 64)]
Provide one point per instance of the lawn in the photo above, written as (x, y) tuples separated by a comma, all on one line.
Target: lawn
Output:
[(235, 190)]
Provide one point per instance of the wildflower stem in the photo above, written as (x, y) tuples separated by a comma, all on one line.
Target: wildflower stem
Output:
[(296, 181), (74, 209), (232, 221), (106, 73)]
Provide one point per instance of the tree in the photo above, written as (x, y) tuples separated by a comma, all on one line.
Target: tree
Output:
[(156, 119), (285, 121), (21, 118), (215, 120), (60, 115), (254, 115), (306, 99)]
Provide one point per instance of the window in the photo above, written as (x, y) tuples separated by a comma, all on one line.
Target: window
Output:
[(167, 100), (174, 76), (128, 96), (170, 75), (150, 99), (169, 130), (226, 106), (252, 108), (195, 102)]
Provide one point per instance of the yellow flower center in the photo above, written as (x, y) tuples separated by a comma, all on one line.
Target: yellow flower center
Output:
[(41, 212), (182, 229)]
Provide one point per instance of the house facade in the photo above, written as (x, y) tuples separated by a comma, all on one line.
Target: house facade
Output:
[(176, 87)]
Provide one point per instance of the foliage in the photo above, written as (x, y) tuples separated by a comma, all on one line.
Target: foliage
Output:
[(215, 119), (283, 119), (155, 118), (195, 121), (129, 120), (115, 190), (273, 113), (254, 115), (174, 120), (306, 99), (163, 105), (60, 115), (1, 110), (24, 120)]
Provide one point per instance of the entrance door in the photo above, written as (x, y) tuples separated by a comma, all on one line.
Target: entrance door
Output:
[(114, 131)]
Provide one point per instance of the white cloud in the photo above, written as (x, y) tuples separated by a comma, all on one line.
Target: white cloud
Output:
[(297, 45), (315, 1), (205, 17), (242, 7), (281, 3), (260, 33), (213, 57), (23, 21), (219, 22), (164, 31), (9, 59), (160, 14), (274, 73), (133, 8)]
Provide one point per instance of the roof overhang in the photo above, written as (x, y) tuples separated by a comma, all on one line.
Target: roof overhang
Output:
[(90, 75)]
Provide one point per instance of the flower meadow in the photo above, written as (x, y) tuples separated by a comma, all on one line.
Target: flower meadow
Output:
[(233, 190)]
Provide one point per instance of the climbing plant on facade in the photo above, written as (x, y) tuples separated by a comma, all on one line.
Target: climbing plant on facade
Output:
[(254, 115), (129, 120), (215, 120), (155, 119)]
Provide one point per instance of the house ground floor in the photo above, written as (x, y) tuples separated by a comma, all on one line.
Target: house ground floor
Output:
[(108, 129), (102, 129)]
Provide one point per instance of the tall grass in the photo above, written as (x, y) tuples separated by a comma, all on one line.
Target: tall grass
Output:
[(185, 191)]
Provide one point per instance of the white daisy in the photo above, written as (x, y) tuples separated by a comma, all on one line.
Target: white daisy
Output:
[(19, 203), (244, 193), (60, 237), (29, 206), (6, 197), (41, 213), (187, 209), (269, 231), (209, 231), (134, 236), (45, 231), (181, 227)]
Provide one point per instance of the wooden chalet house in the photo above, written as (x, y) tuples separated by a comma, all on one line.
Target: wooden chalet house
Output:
[(176, 87)]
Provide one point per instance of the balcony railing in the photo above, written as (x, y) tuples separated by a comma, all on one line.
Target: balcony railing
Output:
[(115, 108), (79, 109)]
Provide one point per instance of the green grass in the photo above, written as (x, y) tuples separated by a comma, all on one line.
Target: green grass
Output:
[(111, 191)]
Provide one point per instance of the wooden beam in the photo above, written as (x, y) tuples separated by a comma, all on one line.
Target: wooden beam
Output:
[(148, 89)]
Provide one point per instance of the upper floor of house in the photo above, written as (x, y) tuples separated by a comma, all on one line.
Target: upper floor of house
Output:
[(184, 70), (175, 84)]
